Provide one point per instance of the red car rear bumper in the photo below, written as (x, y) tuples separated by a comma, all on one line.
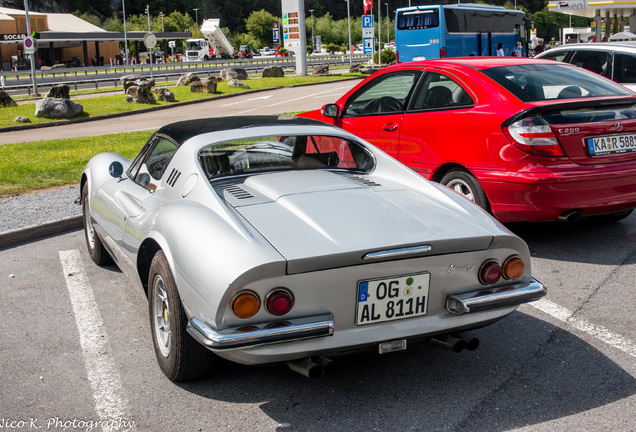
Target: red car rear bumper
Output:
[(537, 196)]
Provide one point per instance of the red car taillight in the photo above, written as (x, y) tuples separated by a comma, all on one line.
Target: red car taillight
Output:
[(490, 272), (279, 302), (442, 52), (535, 136)]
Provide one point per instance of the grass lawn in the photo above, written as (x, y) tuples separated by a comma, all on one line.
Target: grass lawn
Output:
[(116, 103), (39, 165)]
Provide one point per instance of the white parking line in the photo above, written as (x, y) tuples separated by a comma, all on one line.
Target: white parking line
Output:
[(110, 404), (599, 332)]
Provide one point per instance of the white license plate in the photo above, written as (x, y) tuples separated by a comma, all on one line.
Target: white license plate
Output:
[(612, 144), (392, 298)]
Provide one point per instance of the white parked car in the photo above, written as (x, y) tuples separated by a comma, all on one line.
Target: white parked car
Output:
[(614, 60)]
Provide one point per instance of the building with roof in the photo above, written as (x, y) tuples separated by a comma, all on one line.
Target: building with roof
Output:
[(609, 15), (66, 39)]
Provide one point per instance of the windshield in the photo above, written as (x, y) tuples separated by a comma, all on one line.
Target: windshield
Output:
[(540, 82), (193, 45), (284, 153)]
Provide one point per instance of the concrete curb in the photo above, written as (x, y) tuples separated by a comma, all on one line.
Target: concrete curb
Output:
[(24, 235)]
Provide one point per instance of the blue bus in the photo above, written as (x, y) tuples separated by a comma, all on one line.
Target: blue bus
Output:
[(434, 31)]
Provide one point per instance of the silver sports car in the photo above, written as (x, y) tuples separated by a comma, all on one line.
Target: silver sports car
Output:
[(280, 239)]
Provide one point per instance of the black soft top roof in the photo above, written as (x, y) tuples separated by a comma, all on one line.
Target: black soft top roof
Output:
[(184, 130)]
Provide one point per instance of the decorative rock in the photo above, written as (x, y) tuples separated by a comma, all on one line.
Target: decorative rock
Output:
[(128, 80), (187, 79), (196, 86), (140, 94), (163, 94), (229, 74), (57, 108), (60, 91), (355, 68), (320, 70), (5, 99), (22, 119), (273, 72), (237, 83), (209, 85)]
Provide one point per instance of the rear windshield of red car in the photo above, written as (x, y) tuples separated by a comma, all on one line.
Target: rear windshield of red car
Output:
[(545, 82)]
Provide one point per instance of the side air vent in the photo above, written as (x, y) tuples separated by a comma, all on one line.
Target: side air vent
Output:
[(361, 180), (173, 177), (238, 192)]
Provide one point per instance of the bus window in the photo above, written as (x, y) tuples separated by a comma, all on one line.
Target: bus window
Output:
[(429, 32)]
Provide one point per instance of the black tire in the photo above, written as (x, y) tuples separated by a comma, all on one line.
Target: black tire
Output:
[(96, 249), (180, 357), (462, 182)]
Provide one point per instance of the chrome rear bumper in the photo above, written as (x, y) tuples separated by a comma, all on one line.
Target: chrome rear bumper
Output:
[(483, 300), (296, 329)]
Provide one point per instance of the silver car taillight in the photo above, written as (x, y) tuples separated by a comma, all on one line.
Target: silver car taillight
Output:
[(533, 135)]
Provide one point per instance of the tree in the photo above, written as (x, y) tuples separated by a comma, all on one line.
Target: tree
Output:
[(259, 26)]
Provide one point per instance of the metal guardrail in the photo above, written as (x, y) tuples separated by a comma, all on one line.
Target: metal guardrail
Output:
[(161, 71)]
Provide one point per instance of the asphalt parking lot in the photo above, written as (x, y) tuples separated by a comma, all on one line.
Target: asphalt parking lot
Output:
[(77, 354)]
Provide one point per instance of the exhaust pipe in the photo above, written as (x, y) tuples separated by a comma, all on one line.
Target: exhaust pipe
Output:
[(306, 368), (448, 343), (570, 215), (328, 366), (471, 342)]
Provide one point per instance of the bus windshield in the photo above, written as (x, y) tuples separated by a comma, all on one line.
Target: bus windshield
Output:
[(429, 32)]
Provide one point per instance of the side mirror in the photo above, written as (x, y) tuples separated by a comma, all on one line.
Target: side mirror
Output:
[(116, 169), (331, 110)]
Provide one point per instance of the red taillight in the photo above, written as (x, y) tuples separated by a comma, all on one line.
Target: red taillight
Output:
[(535, 136), (279, 302), (490, 272), (442, 52)]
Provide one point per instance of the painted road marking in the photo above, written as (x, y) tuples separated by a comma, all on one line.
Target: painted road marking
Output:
[(110, 404), (599, 332)]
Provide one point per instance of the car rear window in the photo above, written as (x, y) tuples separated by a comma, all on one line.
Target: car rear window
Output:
[(540, 82), (263, 154)]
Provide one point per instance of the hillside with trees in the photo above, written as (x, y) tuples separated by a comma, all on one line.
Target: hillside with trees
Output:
[(249, 22)]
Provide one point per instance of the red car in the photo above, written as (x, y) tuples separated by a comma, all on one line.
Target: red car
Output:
[(526, 139)]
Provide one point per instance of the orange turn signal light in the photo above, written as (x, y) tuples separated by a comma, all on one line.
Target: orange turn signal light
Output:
[(513, 268), (245, 304)]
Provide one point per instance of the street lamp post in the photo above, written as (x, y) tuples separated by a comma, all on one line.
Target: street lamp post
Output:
[(196, 19), (379, 34), (313, 43), (148, 15), (350, 47), (388, 35), (123, 7), (161, 13)]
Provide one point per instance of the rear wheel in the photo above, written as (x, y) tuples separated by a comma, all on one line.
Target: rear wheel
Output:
[(96, 249), (180, 357), (462, 182)]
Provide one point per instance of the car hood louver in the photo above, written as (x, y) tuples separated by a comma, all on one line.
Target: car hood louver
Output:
[(341, 218)]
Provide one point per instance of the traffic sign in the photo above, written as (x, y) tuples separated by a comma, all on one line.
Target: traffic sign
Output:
[(29, 45), (150, 40)]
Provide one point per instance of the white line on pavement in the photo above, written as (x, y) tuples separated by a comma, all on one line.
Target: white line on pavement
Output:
[(599, 332), (110, 404)]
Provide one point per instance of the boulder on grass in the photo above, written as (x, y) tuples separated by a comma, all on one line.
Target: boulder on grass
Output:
[(273, 72), (61, 91), (163, 94), (320, 70), (231, 73), (128, 80), (57, 108), (237, 83), (141, 95), (187, 79), (5, 99), (22, 119)]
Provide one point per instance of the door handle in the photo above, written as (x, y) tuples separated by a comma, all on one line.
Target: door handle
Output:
[(390, 127)]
